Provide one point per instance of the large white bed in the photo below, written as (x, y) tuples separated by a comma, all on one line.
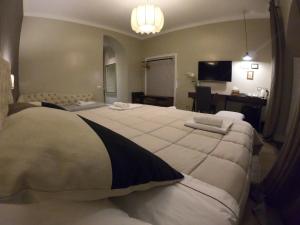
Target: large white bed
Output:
[(216, 167), (223, 161)]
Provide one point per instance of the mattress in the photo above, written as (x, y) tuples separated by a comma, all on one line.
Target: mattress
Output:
[(219, 160)]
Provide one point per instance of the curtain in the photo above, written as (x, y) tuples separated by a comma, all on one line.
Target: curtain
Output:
[(282, 185), (278, 49)]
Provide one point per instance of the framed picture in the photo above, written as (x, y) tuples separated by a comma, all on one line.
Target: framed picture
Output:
[(250, 75), (254, 66)]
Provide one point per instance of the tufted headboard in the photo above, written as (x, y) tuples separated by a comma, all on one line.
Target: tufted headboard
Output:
[(56, 98), (5, 89)]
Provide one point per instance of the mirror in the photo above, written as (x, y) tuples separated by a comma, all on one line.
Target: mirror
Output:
[(111, 79)]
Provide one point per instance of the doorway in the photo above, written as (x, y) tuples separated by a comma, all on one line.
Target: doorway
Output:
[(110, 83), (160, 76), (115, 71)]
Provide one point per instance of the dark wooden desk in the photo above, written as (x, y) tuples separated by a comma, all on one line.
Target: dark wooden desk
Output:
[(140, 98), (256, 101), (252, 106)]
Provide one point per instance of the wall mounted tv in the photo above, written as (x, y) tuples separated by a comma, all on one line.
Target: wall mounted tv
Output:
[(215, 71)]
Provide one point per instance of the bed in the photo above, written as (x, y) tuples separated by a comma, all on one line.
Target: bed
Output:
[(223, 161), (216, 171)]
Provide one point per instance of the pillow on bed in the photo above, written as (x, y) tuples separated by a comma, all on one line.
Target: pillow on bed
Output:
[(49, 153)]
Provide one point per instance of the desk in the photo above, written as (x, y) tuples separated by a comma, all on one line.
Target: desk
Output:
[(254, 104), (141, 98), (256, 101)]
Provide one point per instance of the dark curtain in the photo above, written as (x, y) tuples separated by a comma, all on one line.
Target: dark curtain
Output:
[(278, 49), (282, 185)]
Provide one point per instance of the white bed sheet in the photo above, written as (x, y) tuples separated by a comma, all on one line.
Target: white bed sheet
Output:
[(65, 213), (190, 202)]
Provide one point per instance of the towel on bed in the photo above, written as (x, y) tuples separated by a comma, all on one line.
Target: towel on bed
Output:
[(124, 106), (209, 120), (221, 130), (121, 105)]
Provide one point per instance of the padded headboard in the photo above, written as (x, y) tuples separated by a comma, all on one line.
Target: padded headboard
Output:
[(5, 89)]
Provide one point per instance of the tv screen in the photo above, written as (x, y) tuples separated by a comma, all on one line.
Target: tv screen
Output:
[(215, 70)]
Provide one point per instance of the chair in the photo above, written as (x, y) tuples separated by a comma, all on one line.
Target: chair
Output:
[(204, 100)]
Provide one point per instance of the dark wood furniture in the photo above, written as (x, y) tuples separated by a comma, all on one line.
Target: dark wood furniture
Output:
[(203, 100), (141, 98), (252, 106)]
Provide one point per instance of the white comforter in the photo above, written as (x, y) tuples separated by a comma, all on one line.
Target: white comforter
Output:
[(220, 164)]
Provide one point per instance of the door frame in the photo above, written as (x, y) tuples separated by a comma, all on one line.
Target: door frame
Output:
[(170, 55)]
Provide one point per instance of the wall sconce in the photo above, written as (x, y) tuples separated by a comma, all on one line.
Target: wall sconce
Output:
[(192, 77), (12, 80)]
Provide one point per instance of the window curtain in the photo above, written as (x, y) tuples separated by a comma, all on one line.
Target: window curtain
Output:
[(278, 49), (282, 185)]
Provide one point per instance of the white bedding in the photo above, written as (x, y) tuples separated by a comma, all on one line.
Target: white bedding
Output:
[(66, 213), (189, 202), (221, 160), (219, 164)]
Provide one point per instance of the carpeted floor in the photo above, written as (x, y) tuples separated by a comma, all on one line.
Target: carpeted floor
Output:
[(261, 215)]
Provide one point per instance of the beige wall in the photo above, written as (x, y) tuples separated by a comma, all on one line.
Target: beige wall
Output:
[(64, 57), (11, 15), (222, 41), (67, 57)]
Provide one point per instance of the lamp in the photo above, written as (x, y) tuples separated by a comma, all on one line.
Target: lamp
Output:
[(191, 76), (147, 19), (247, 57), (12, 80)]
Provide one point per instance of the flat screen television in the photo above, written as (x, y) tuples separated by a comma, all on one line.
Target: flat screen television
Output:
[(215, 71)]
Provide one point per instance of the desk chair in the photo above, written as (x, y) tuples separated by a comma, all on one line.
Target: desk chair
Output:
[(204, 100)]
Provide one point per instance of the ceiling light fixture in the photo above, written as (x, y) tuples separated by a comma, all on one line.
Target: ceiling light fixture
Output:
[(147, 19), (247, 57)]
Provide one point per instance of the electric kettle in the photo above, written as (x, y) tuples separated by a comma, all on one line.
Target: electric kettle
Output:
[(263, 92)]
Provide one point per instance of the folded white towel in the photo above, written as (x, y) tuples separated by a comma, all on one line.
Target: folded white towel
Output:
[(209, 120), (83, 103), (221, 130), (131, 106), (121, 105)]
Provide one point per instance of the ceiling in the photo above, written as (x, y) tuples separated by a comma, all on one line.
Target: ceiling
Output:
[(115, 14)]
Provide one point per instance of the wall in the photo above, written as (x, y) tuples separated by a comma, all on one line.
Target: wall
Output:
[(222, 41), (64, 57), (120, 58), (57, 56), (11, 15)]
